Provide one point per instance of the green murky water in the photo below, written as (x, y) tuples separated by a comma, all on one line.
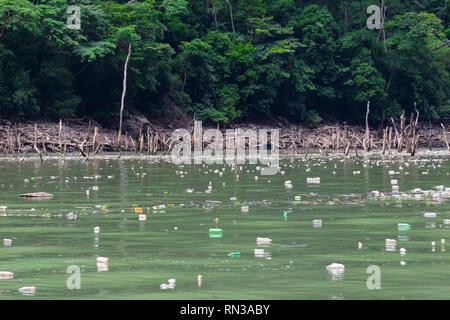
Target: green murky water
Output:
[(174, 242)]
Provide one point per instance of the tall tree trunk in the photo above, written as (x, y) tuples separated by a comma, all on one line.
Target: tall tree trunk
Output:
[(346, 16), (231, 15), (124, 91)]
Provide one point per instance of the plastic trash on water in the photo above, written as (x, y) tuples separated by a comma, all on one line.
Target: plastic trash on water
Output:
[(102, 260), (288, 184), (391, 244), (7, 242), (199, 280), (297, 198), (27, 290), (431, 214), (72, 216), (404, 226), (164, 286), (3, 208), (172, 283), (138, 210), (336, 266), (6, 275), (360, 245), (261, 253), (312, 180), (96, 229), (317, 223), (336, 270), (234, 254), (260, 240), (142, 217), (102, 267), (244, 209), (402, 251), (215, 233)]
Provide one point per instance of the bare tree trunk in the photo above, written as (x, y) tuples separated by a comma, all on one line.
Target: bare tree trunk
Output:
[(429, 137), (214, 13), (382, 31), (231, 15), (122, 102), (346, 16), (401, 133), (366, 141), (445, 136)]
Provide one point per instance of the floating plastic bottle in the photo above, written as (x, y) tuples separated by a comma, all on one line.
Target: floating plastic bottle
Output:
[(96, 229), (6, 275), (142, 217), (102, 260), (215, 233), (138, 210), (7, 242), (297, 198), (317, 223), (234, 254), (260, 240), (27, 290), (431, 214), (336, 266), (403, 226)]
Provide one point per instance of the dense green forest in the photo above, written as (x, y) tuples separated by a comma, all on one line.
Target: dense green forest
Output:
[(224, 60)]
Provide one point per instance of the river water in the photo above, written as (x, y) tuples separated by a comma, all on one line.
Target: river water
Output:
[(182, 203)]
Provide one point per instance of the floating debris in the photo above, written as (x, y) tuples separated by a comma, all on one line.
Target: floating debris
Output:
[(36, 195), (102, 267), (244, 209), (336, 266), (260, 240), (96, 229), (6, 275), (72, 216), (102, 260), (27, 290), (142, 217), (312, 180), (7, 242), (199, 280), (317, 223), (138, 210), (261, 253), (215, 233), (234, 254), (431, 214), (404, 226), (288, 184)]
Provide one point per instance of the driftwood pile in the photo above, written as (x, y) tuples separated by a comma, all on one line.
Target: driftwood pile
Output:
[(89, 140)]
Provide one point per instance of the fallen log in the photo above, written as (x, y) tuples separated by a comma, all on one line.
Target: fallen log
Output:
[(36, 195)]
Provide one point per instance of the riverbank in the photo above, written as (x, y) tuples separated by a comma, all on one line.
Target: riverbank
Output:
[(88, 137)]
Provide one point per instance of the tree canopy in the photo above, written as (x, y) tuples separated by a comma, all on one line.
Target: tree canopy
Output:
[(224, 60)]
